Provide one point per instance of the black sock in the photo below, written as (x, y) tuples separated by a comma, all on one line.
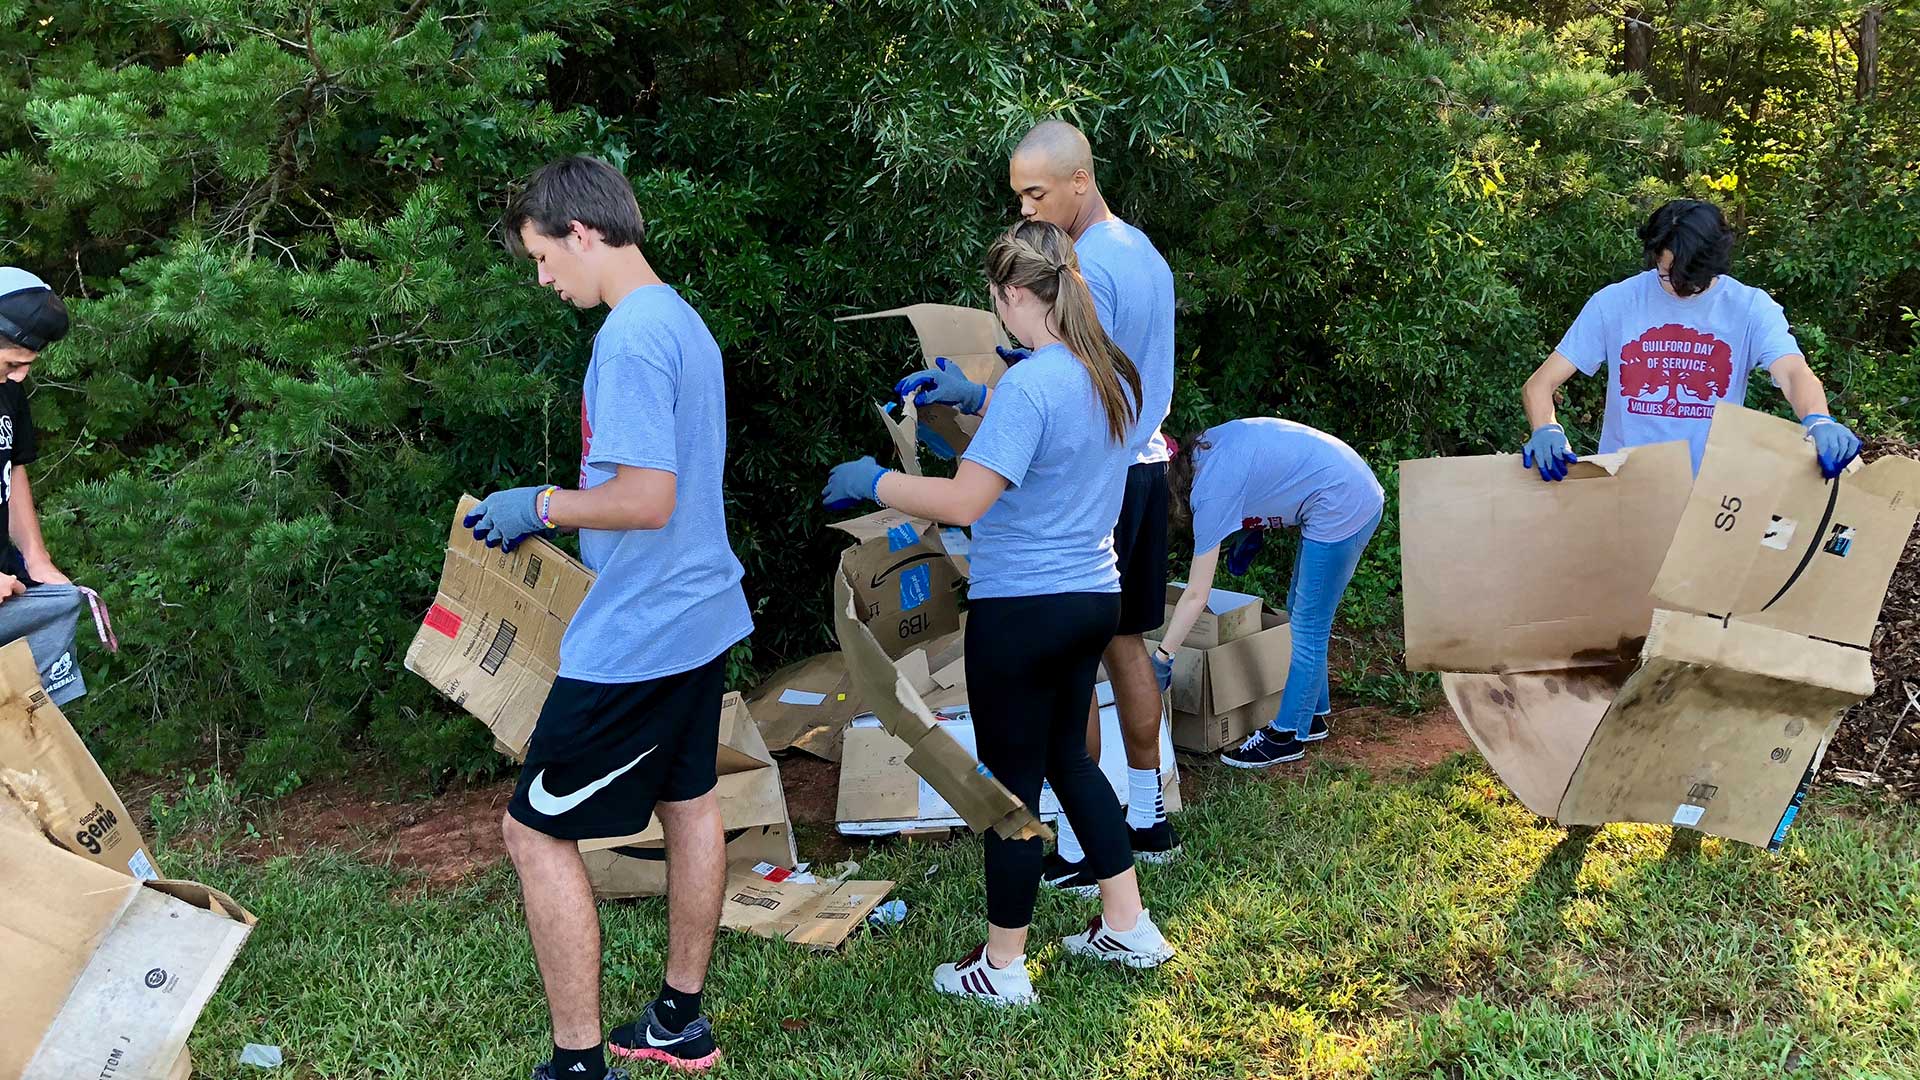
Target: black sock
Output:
[(588, 1064), (675, 1009)]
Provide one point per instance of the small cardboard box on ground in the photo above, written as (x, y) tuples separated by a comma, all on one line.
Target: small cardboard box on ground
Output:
[(966, 336), (1228, 616), (1708, 711), (491, 643), (109, 965), (1222, 692), (751, 802)]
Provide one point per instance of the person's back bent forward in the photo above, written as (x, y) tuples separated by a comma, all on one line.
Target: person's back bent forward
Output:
[(632, 723)]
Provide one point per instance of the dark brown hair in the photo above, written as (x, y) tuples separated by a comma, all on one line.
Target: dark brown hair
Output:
[(1180, 469), (1698, 235), (1039, 257), (578, 188)]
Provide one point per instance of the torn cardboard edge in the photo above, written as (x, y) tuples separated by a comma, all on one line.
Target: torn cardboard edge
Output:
[(982, 801), (967, 337), (817, 915)]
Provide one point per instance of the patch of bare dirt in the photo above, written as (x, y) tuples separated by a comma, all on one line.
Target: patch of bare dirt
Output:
[(443, 839)]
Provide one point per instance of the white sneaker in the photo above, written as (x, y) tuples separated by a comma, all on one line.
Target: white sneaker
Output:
[(977, 979), (1140, 947)]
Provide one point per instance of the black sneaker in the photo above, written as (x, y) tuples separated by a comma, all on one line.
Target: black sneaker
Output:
[(544, 1071), (1263, 751), (1319, 730), (691, 1050), (1157, 843), (1072, 877)]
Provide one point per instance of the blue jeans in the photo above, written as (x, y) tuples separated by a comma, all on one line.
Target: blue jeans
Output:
[(1321, 572)]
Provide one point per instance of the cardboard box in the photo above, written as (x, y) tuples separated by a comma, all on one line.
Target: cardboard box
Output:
[(752, 805), (1228, 616), (963, 335), (983, 802), (807, 706), (1210, 682), (1205, 734), (1504, 572), (491, 640), (907, 588), (881, 796), (108, 972), (818, 915), (1721, 723), (45, 766)]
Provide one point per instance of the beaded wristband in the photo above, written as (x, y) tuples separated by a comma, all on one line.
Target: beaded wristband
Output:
[(546, 506)]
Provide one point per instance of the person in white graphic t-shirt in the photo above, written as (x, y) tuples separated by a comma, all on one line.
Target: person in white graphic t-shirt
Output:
[(1677, 338)]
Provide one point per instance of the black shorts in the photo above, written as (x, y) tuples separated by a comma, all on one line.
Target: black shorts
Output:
[(603, 753), (1140, 542)]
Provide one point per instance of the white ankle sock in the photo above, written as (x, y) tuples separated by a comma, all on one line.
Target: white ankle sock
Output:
[(1070, 849), (1144, 805)]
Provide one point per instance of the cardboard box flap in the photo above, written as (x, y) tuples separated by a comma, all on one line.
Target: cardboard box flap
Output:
[(905, 433), (1721, 745), (875, 782), (948, 330), (805, 706), (741, 747), (1533, 727), (1767, 540), (1246, 669), (1503, 572), (985, 802)]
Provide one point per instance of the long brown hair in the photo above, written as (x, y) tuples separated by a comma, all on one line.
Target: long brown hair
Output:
[(1180, 470), (1039, 256)]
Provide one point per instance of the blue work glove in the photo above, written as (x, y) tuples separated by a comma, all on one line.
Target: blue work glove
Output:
[(852, 483), (943, 384), (505, 518), (1549, 452), (1162, 669), (934, 442), (1241, 552), (1012, 356), (1835, 445)]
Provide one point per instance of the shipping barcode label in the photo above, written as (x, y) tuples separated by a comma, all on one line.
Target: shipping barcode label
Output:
[(497, 652), (142, 867), (532, 577), (1688, 814)]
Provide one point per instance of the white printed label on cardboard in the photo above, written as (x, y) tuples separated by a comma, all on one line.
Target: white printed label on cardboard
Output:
[(1688, 814), (141, 867), (1779, 533), (801, 697)]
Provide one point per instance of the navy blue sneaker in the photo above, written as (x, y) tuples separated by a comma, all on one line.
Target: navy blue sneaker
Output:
[(1262, 751)]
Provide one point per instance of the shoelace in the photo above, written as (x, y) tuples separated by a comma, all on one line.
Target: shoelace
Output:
[(1253, 740)]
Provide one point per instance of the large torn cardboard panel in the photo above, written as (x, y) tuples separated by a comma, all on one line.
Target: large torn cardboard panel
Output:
[(1766, 540), (753, 809), (881, 795), (1504, 572), (907, 587), (984, 802), (45, 765), (108, 972), (1534, 727), (807, 706), (966, 336), (491, 640)]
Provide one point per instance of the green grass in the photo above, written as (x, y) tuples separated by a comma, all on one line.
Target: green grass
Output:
[(1338, 926)]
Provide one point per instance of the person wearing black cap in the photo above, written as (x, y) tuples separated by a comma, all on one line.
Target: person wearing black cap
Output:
[(37, 601)]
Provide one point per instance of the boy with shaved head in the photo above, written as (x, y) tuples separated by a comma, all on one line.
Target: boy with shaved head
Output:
[(1052, 173)]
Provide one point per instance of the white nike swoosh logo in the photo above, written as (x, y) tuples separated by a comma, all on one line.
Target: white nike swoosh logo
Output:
[(551, 805), (659, 1044)]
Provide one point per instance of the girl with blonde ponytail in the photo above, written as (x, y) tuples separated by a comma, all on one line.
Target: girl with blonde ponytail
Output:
[(1041, 485)]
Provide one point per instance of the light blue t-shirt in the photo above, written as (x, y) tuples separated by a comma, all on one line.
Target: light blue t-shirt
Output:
[(667, 600), (1133, 293), (1051, 531), (1670, 359), (1268, 473)]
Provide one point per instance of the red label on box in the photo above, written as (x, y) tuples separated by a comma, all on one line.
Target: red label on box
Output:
[(443, 620)]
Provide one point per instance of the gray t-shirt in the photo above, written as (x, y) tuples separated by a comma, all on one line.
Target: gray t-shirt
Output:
[(1670, 359), (1133, 293), (1051, 531), (667, 600), (1268, 473)]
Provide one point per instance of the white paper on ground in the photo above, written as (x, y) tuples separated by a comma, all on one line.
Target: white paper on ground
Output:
[(801, 697)]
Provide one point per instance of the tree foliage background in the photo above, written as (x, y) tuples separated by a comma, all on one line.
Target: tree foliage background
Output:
[(298, 338)]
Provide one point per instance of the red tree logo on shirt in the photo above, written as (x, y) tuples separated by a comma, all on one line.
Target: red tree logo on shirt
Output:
[(586, 440), (1675, 371)]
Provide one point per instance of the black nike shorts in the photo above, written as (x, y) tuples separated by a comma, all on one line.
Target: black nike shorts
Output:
[(1140, 543), (603, 753)]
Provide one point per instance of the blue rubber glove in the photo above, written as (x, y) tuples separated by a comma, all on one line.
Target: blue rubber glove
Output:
[(505, 518), (935, 443), (1162, 670), (1241, 552), (1549, 452), (943, 384), (1012, 356), (1835, 445), (852, 483)]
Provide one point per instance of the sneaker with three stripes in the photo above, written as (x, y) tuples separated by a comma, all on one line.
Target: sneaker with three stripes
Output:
[(1141, 947), (977, 979)]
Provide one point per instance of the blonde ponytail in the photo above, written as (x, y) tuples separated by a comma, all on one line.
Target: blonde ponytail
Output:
[(1039, 257)]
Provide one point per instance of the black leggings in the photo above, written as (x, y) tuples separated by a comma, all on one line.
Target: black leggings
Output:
[(1031, 662)]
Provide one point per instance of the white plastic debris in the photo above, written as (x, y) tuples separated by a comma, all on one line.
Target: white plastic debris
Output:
[(267, 1057)]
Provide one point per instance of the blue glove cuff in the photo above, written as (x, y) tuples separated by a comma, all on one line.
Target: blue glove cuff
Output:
[(874, 492), (1808, 420)]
